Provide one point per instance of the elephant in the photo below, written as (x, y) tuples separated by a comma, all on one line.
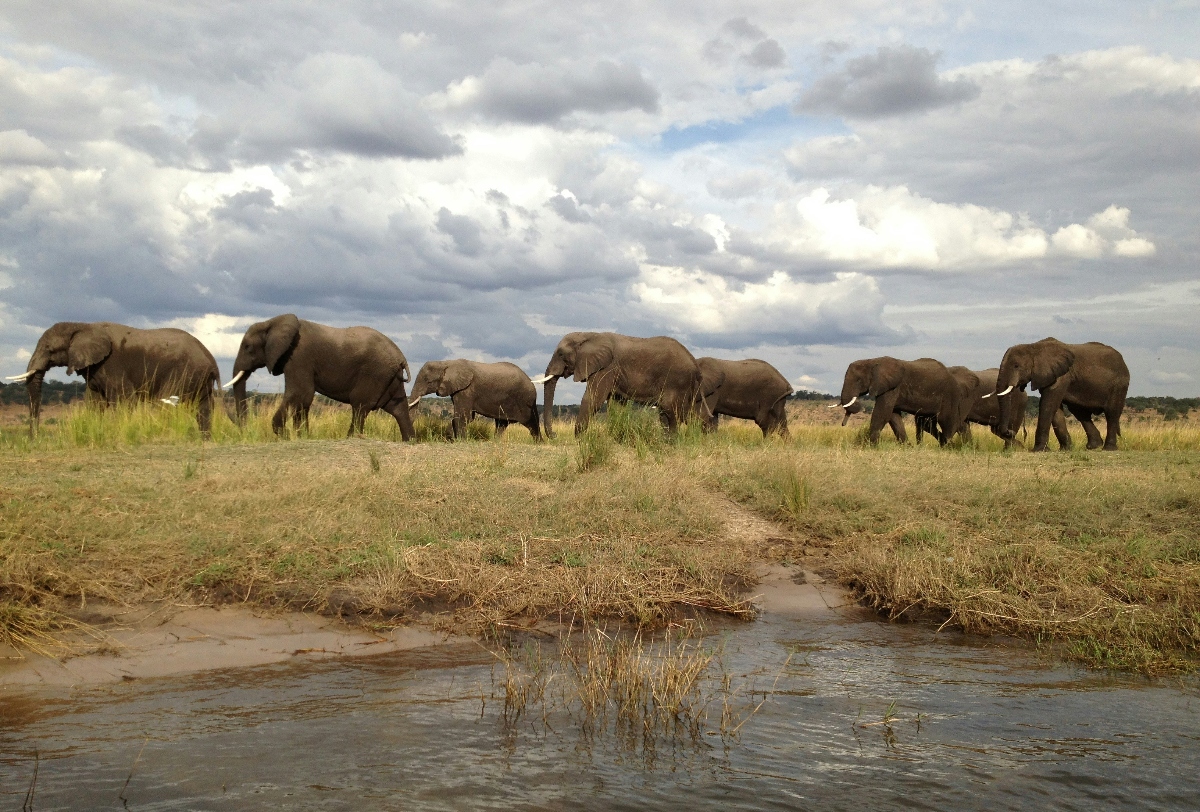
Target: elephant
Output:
[(122, 363), (656, 371), (985, 410), (921, 387), (355, 365), (750, 389), (1089, 379), (501, 391)]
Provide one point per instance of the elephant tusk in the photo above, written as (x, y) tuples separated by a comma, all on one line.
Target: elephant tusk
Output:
[(21, 377), (541, 378), (1005, 392), (845, 406), (412, 404), (988, 395), (171, 401), (235, 379), (835, 406)]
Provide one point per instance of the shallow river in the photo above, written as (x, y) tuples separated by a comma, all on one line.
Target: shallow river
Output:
[(999, 728)]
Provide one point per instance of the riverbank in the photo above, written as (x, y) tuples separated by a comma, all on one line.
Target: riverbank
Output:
[(1094, 554)]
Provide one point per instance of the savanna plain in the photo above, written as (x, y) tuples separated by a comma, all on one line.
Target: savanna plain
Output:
[(1090, 556)]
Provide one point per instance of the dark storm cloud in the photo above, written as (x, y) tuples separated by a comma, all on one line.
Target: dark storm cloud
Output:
[(536, 94), (891, 82), (465, 232)]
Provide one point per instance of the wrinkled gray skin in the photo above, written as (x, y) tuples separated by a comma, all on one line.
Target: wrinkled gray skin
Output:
[(1089, 379), (125, 363), (655, 371), (985, 408), (750, 389), (355, 365), (500, 391), (922, 387)]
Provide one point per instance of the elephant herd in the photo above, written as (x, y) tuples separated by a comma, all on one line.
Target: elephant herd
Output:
[(362, 367)]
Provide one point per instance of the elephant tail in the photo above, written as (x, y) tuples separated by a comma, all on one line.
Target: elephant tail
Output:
[(405, 372)]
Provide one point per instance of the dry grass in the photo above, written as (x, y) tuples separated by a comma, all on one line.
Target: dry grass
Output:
[(1095, 553)]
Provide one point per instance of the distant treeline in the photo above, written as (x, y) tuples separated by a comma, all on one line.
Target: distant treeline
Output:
[(52, 392)]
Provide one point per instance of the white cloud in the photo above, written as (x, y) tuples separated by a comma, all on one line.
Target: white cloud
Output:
[(1163, 377), (221, 334), (704, 304)]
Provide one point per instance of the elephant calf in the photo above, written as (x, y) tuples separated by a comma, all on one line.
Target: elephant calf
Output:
[(750, 389), (500, 391)]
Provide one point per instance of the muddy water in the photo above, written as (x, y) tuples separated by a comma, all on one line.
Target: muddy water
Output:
[(973, 726)]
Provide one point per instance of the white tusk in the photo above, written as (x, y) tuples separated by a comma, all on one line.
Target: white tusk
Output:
[(236, 378), (985, 397), (851, 403), (171, 401), (21, 377), (835, 406), (1005, 392), (412, 404), (541, 378)]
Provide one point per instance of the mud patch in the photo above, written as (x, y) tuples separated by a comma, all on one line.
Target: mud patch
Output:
[(163, 641)]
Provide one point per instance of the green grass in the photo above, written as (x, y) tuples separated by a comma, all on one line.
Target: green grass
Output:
[(1094, 555)]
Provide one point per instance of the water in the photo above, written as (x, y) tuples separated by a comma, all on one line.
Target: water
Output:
[(999, 728)]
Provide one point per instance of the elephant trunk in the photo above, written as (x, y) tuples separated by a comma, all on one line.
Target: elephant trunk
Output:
[(239, 400), (548, 408), (1006, 382), (33, 385)]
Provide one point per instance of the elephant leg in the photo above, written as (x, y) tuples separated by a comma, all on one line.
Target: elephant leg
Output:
[(711, 424), (778, 420), (896, 421), (534, 425), (881, 415), (458, 423), (1112, 416), (358, 417), (1047, 409), (279, 419), (599, 388), (1094, 440), (966, 432), (1061, 432), (501, 425), (204, 415), (398, 408)]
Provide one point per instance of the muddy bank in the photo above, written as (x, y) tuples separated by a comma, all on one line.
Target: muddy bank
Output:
[(169, 639), (165, 640)]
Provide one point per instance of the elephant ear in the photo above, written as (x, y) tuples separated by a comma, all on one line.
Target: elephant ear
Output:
[(456, 378), (592, 355), (88, 346), (887, 375), (711, 377), (1051, 360), (281, 337)]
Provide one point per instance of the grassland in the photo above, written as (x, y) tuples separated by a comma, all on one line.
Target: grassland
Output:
[(1094, 555)]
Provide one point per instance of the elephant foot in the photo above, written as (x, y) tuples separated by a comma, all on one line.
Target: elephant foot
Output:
[(1094, 446), (1112, 447)]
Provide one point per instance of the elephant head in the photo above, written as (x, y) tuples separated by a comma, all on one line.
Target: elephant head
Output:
[(578, 355), (1041, 363), (442, 378), (71, 344), (266, 344), (871, 376)]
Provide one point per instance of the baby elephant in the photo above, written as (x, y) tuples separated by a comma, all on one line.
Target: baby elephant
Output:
[(499, 391)]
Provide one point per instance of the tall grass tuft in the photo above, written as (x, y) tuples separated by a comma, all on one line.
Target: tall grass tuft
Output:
[(635, 426), (594, 448)]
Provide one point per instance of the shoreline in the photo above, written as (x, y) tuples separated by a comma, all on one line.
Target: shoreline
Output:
[(166, 640)]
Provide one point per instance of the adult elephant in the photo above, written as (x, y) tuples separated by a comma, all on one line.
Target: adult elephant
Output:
[(125, 363), (1089, 379), (501, 391), (655, 371), (749, 389), (921, 387), (355, 365)]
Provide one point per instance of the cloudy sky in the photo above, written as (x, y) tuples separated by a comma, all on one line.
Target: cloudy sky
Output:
[(805, 182)]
